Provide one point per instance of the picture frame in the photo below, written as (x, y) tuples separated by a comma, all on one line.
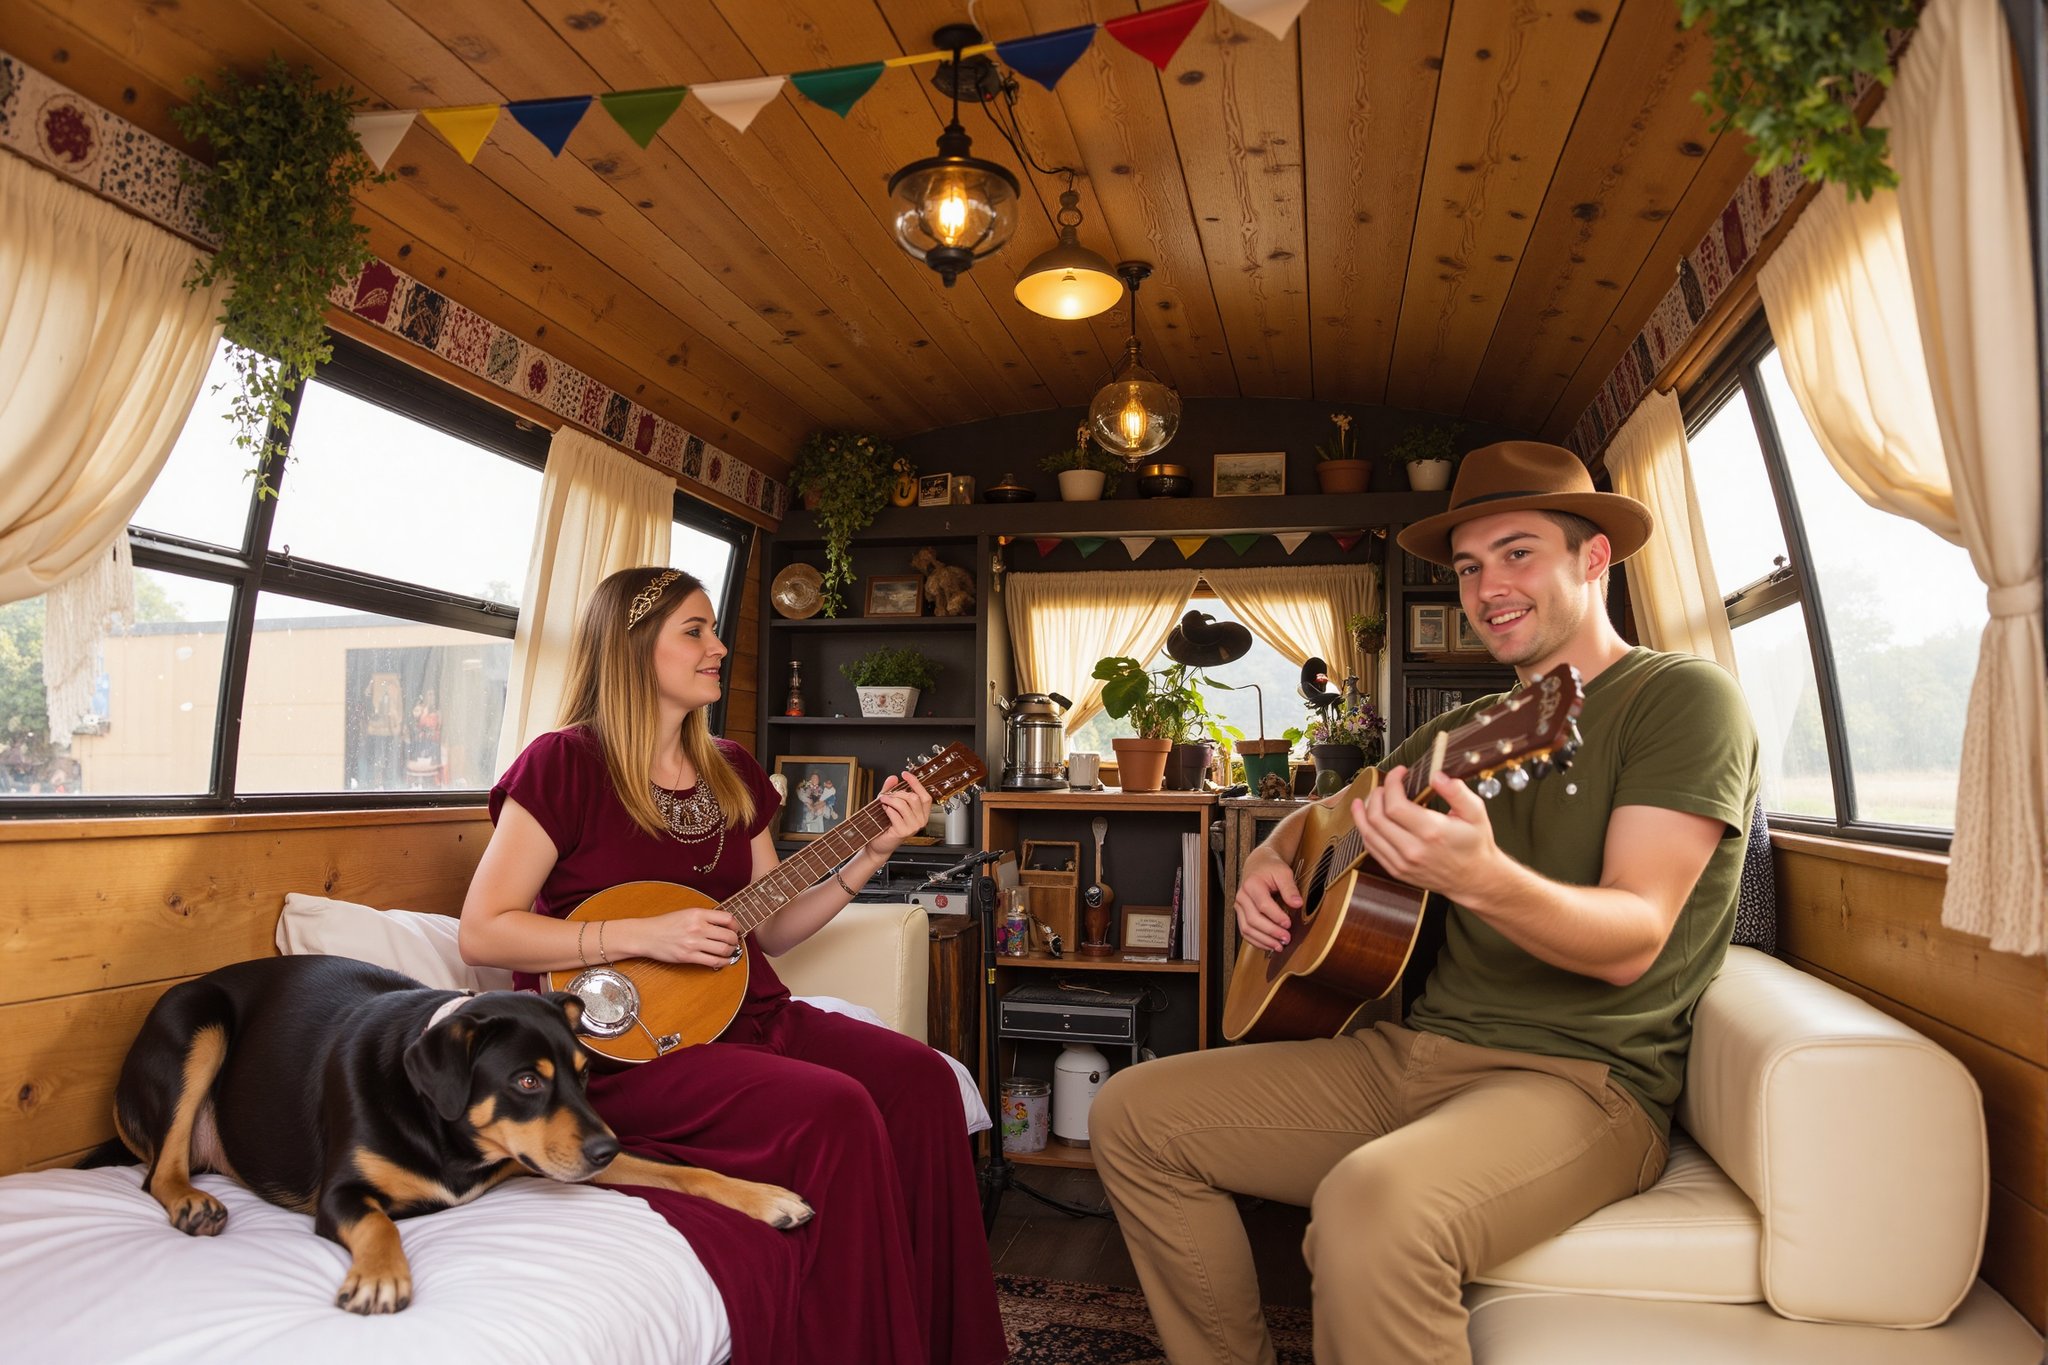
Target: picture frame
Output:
[(1465, 638), (934, 490), (963, 489), (823, 790), (1428, 627), (1147, 931), (1254, 474), (895, 594)]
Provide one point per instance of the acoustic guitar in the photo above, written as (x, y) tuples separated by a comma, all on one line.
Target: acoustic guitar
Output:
[(637, 1009), (1351, 939)]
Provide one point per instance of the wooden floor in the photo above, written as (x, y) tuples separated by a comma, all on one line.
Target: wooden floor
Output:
[(1032, 1239)]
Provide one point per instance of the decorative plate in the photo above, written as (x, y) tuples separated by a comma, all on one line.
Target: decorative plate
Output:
[(797, 591)]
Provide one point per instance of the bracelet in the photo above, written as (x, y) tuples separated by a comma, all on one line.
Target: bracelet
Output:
[(850, 892), (580, 927), (600, 944)]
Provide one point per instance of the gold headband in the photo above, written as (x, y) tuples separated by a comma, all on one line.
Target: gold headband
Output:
[(644, 601)]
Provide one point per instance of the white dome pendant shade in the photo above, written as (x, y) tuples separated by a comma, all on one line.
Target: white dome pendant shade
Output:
[(1069, 281), (1134, 414)]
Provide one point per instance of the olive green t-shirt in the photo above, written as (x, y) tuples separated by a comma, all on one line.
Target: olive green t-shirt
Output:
[(1667, 730)]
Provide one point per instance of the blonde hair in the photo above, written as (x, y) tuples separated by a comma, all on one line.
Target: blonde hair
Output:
[(611, 693)]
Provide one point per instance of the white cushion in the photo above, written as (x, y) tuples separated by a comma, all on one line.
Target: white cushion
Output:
[(1692, 1235), (420, 945)]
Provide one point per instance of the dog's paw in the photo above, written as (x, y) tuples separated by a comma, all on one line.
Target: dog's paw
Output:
[(371, 1295), (780, 1208), (198, 1214)]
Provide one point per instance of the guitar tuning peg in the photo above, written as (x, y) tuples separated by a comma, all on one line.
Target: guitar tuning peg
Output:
[(1539, 767), (1563, 757), (1489, 786), (1517, 779)]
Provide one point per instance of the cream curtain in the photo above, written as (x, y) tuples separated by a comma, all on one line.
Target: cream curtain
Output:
[(1677, 597), (1061, 623), (1907, 330), (1304, 613), (102, 352), (600, 511)]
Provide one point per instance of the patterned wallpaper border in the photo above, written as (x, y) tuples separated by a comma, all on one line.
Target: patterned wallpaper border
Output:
[(55, 127)]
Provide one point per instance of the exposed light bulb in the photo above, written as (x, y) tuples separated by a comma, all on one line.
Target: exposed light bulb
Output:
[(952, 215), (1132, 419)]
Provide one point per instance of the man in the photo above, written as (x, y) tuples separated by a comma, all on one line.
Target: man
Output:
[(1534, 1080)]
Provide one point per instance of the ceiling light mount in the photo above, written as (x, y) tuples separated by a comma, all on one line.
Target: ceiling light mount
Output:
[(1134, 415), (952, 209)]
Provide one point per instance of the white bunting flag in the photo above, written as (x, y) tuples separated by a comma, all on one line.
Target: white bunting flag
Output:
[(1274, 16), (1136, 545), (738, 101), (381, 132), (1290, 541)]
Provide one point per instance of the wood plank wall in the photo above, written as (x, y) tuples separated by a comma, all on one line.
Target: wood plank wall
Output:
[(1869, 920), (742, 702), (103, 916)]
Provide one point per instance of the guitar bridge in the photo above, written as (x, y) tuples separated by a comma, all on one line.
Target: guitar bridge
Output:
[(666, 1042)]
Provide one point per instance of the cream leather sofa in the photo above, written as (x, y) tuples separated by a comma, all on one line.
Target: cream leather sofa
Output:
[(873, 955), (1825, 1202)]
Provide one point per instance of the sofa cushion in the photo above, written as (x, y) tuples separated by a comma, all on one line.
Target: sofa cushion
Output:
[(1861, 1143), (423, 946), (1692, 1235)]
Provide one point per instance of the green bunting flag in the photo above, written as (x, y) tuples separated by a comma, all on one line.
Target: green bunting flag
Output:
[(1088, 545), (642, 112), (838, 88), (1240, 543)]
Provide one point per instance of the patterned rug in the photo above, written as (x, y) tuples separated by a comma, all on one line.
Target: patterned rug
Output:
[(1054, 1322)]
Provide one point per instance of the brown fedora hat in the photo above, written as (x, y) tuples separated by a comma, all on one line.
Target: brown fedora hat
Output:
[(1517, 476)]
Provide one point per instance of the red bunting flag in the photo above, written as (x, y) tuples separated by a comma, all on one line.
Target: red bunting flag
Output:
[(1046, 545), (1346, 539), (1157, 34)]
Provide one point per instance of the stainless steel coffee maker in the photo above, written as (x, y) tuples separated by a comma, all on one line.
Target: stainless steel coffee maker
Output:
[(1037, 739)]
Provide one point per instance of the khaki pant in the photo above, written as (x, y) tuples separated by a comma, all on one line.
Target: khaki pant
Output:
[(1422, 1161)]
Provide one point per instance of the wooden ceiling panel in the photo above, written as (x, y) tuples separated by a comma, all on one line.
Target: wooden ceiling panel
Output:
[(1513, 78), (1369, 81), (1607, 205)]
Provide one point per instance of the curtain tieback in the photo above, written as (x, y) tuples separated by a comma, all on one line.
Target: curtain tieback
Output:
[(2015, 599)]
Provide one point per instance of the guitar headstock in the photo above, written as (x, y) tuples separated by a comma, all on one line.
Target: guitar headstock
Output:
[(949, 771), (1522, 737)]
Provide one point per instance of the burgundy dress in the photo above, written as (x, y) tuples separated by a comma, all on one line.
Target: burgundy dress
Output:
[(863, 1122)]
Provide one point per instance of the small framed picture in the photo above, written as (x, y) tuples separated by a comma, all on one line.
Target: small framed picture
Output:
[(1259, 475), (823, 791), (963, 488), (934, 490), (895, 594), (1428, 627), (1465, 638), (1146, 931)]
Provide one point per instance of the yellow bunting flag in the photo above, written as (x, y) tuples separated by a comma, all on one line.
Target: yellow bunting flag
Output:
[(464, 125), (1189, 544)]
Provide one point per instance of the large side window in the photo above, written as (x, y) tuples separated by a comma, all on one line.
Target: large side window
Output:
[(1855, 630), (712, 546)]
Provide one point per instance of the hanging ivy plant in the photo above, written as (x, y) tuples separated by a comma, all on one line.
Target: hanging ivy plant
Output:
[(1785, 73), (850, 476), (278, 197)]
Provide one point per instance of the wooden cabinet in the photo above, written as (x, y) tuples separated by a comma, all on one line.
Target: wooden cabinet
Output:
[(953, 1006), (1141, 852)]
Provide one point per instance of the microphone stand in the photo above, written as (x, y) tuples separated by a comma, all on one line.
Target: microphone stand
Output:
[(999, 1173)]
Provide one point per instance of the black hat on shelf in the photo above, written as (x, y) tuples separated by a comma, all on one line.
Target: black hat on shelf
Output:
[(1203, 641)]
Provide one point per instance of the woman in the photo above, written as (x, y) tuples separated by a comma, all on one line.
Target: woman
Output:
[(862, 1122)]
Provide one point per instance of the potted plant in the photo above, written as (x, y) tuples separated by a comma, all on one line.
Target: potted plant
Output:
[(1338, 468), (1368, 631), (1086, 471), (1164, 708), (1260, 756), (279, 197), (1342, 739), (889, 681), (1427, 452), (850, 476)]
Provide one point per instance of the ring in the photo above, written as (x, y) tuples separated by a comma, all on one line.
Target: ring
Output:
[(735, 953)]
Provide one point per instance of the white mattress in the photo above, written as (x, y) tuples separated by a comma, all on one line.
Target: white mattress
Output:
[(91, 1271)]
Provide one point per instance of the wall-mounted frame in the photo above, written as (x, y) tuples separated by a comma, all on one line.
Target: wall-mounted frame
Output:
[(1259, 474), (1429, 627), (895, 594), (934, 490), (823, 790)]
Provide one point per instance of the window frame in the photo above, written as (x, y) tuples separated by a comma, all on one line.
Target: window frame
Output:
[(739, 533), (1733, 376)]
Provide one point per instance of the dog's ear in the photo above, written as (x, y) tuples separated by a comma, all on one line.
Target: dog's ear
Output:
[(569, 1003), (438, 1065)]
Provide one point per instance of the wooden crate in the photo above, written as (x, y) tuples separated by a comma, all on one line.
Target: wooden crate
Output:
[(1050, 874)]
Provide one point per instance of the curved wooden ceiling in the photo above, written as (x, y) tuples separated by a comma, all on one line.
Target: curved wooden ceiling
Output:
[(1466, 208)]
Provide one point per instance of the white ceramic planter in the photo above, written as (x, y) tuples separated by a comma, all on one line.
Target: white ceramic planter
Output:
[(1081, 485), (884, 703), (1429, 476)]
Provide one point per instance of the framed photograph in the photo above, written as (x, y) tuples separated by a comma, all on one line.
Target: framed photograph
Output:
[(1429, 627), (823, 791), (895, 594), (1259, 475), (934, 490), (1147, 931), (963, 488), (1464, 638)]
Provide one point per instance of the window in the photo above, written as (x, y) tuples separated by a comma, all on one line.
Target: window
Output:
[(1855, 630)]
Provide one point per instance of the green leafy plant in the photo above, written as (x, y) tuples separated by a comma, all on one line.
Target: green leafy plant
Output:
[(1428, 441), (1342, 446), (1785, 73), (849, 475), (1162, 704), (1085, 454), (278, 197), (1359, 723), (887, 667)]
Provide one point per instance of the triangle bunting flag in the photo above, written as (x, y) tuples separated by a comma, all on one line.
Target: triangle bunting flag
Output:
[(1045, 57), (737, 102), (1088, 545), (1240, 543), (838, 88), (1046, 545), (464, 125), (381, 132), (1290, 541), (1157, 34), (1189, 544), (1274, 16), (551, 120), (642, 112), (1135, 546), (1346, 539)]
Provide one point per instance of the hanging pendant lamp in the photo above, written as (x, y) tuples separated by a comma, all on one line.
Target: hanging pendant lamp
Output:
[(952, 209), (1069, 281), (1134, 414)]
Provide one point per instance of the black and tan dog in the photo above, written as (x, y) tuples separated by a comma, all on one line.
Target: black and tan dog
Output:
[(355, 1094)]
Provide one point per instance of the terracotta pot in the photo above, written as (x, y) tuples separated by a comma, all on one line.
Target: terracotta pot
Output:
[(1141, 763), (1185, 764), (1344, 476), (1429, 476)]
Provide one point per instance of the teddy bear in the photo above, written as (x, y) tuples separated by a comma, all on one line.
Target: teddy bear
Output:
[(949, 588)]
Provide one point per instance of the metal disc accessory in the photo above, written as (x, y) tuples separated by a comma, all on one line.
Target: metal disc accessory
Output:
[(611, 1003)]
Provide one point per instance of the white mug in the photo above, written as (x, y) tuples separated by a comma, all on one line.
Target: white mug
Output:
[(1083, 770)]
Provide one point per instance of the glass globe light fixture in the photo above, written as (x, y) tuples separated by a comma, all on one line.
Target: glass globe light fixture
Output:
[(952, 209), (1069, 281), (1134, 414)]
